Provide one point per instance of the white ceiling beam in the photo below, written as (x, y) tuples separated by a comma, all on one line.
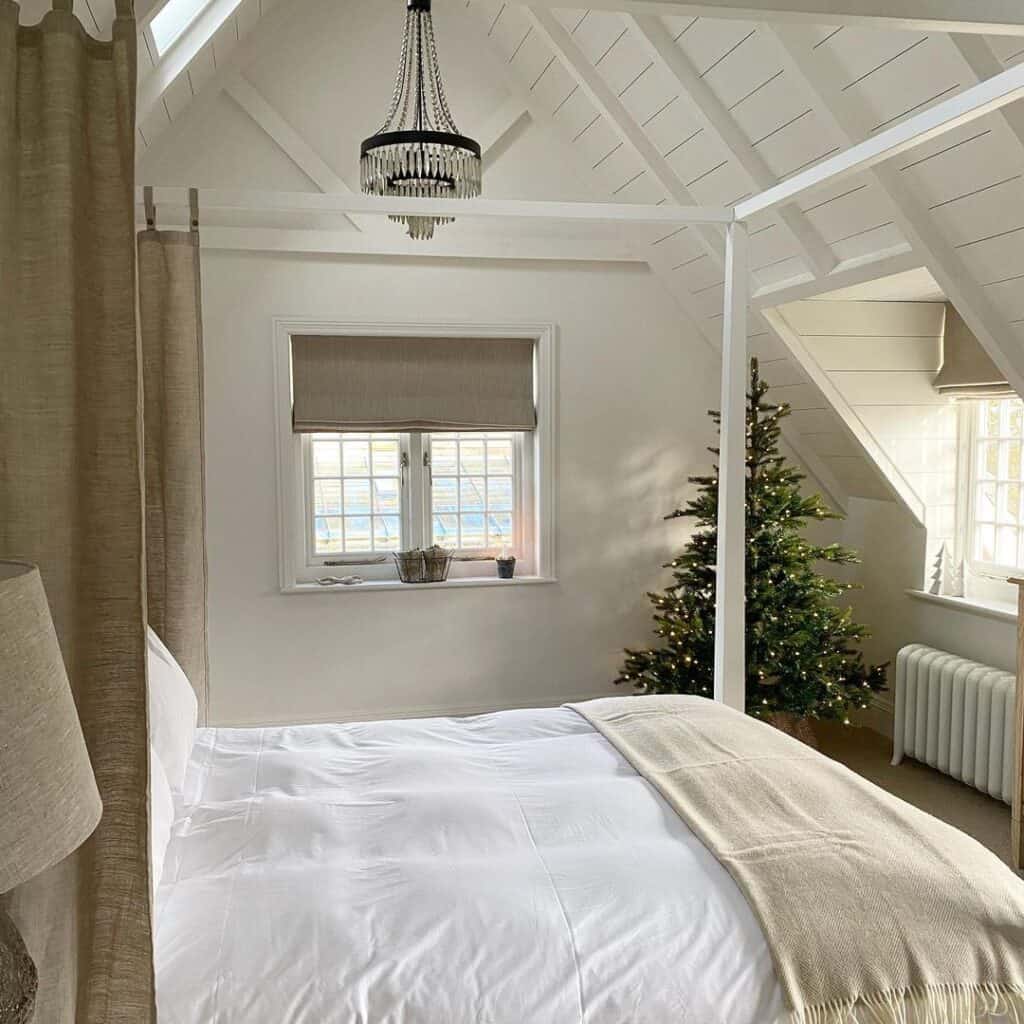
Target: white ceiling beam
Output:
[(181, 54), (500, 124), (293, 145), (257, 44), (396, 245), (602, 96), (860, 270), (977, 55), (974, 102), (909, 213), (288, 140), (607, 103), (312, 202), (713, 116), (993, 17)]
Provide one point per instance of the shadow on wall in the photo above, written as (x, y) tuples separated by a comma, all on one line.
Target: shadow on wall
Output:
[(656, 481)]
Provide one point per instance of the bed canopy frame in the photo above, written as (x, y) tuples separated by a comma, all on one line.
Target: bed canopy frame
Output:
[(969, 105)]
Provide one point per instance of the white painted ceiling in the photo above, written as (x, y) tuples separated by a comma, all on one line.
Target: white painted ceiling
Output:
[(594, 105)]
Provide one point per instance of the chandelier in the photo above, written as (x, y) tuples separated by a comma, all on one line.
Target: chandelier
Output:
[(418, 150)]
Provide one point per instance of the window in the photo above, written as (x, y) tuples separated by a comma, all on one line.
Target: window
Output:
[(993, 436), (171, 20), (474, 483), (349, 497), (366, 495), (354, 501)]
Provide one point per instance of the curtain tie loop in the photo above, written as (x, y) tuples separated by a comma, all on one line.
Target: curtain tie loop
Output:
[(193, 209), (147, 199)]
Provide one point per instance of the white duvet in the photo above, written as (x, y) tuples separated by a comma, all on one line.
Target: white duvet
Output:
[(505, 869)]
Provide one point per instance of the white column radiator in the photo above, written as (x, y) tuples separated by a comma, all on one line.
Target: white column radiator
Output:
[(957, 716)]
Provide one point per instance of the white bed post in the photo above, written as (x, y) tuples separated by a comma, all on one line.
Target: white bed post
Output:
[(730, 575)]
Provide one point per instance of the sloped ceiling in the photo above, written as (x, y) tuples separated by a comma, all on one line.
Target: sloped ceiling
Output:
[(600, 105)]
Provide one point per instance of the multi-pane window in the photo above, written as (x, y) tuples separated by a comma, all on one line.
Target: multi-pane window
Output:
[(473, 491), (373, 493), (995, 526), (356, 493)]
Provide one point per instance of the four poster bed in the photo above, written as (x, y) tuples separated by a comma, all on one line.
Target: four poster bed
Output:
[(628, 860)]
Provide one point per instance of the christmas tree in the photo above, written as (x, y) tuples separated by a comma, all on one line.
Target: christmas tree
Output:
[(802, 647)]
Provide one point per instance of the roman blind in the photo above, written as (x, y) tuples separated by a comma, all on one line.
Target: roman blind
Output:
[(967, 371), (411, 384)]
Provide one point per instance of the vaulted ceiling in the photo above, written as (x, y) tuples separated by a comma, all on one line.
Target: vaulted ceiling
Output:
[(675, 106)]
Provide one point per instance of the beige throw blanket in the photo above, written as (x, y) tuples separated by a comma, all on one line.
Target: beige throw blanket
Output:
[(873, 910)]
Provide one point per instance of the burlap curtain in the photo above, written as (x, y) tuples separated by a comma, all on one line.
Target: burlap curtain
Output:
[(170, 324), (967, 370), (71, 494), (372, 383)]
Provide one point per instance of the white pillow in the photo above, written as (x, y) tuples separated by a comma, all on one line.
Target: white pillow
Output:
[(161, 818), (173, 712)]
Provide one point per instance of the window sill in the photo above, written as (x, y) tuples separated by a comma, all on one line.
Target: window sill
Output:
[(972, 606), (396, 585)]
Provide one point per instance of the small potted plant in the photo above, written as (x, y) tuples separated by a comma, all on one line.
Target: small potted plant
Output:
[(506, 565)]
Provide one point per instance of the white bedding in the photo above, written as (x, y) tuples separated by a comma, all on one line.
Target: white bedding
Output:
[(505, 869)]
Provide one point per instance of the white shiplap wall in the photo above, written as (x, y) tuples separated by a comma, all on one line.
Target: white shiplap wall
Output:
[(882, 358)]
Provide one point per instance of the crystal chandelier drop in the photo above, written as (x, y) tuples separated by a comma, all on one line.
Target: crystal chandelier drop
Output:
[(418, 150)]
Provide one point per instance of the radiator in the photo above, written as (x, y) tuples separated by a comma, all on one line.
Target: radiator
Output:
[(957, 716)]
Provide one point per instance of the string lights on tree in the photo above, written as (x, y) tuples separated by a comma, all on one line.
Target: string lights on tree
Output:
[(803, 657)]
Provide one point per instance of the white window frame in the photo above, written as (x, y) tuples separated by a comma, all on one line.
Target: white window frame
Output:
[(299, 567), (983, 580)]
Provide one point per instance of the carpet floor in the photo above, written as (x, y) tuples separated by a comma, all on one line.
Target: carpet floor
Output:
[(868, 753)]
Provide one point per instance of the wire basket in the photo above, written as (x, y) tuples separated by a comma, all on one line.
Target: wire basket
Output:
[(429, 566)]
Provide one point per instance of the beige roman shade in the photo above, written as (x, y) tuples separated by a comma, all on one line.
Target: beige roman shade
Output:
[(410, 384), (967, 371)]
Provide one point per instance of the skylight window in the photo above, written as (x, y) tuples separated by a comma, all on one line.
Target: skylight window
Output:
[(171, 20)]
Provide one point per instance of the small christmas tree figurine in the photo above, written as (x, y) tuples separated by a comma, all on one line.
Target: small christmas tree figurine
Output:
[(938, 577), (802, 656)]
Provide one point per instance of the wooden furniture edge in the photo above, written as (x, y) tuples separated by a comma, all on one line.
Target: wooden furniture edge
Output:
[(1017, 827)]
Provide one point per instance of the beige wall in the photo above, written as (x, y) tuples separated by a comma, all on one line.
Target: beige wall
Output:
[(633, 391)]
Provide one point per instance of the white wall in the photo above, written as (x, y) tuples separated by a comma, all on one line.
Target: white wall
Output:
[(633, 393), (892, 548)]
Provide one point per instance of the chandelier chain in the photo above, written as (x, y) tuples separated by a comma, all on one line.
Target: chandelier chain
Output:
[(440, 100), (400, 89)]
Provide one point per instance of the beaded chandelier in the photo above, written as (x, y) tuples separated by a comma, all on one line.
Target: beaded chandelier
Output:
[(418, 150)]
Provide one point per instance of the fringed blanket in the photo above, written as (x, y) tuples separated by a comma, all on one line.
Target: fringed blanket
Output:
[(873, 910)]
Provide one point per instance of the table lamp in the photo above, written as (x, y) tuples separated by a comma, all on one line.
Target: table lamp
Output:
[(49, 803)]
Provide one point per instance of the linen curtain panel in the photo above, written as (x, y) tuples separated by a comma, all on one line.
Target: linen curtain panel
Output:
[(170, 326), (381, 383), (71, 494)]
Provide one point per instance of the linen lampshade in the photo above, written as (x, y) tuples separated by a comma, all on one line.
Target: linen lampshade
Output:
[(49, 803)]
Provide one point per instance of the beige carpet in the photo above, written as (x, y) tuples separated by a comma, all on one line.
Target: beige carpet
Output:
[(868, 754)]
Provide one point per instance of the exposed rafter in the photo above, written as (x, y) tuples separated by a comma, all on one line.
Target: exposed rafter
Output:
[(993, 17), (181, 54), (257, 44), (394, 244), (852, 272), (257, 200), (711, 113), (290, 142), (852, 124), (661, 267), (978, 56), (608, 104), (972, 103), (500, 124)]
